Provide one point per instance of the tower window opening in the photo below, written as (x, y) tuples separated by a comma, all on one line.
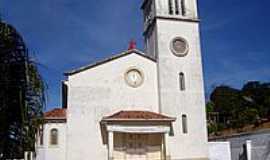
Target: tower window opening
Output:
[(170, 7), (182, 81), (183, 7), (177, 7), (184, 124)]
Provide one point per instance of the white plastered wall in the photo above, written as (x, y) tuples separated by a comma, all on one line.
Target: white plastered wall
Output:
[(191, 101), (101, 91), (219, 151), (49, 152)]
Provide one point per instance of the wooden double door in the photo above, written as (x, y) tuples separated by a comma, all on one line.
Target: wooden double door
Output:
[(137, 146)]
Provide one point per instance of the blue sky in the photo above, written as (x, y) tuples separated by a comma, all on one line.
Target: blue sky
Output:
[(66, 34)]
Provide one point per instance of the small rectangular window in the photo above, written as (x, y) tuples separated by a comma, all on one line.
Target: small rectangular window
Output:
[(184, 124), (182, 81)]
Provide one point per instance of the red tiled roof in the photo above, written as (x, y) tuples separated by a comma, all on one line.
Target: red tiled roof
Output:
[(57, 113), (138, 115)]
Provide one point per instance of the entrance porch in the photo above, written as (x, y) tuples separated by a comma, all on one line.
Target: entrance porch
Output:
[(141, 137)]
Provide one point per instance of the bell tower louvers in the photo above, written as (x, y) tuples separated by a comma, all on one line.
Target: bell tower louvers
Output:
[(172, 36)]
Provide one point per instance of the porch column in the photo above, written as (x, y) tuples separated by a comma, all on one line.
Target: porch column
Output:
[(32, 155), (167, 147), (110, 145), (26, 155)]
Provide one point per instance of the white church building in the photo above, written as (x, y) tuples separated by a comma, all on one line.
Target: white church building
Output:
[(136, 105)]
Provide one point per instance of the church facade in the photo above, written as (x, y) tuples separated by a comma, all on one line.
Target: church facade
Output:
[(136, 105)]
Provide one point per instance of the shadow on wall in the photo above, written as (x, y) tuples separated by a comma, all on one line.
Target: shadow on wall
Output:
[(243, 155)]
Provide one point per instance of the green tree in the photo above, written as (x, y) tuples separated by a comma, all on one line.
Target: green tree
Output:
[(259, 95), (210, 106), (22, 97), (226, 101), (237, 108)]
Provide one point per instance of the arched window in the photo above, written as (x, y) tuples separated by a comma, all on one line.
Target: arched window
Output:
[(183, 7), (182, 81), (54, 137), (184, 124)]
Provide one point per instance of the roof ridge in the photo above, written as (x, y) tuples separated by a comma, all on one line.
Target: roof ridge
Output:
[(110, 58)]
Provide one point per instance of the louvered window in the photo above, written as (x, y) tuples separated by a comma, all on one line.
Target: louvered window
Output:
[(177, 7), (170, 7), (183, 7)]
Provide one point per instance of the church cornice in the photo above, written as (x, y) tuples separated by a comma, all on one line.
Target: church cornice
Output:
[(195, 20), (150, 26)]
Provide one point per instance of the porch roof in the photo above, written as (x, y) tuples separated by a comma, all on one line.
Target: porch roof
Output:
[(57, 113), (137, 116)]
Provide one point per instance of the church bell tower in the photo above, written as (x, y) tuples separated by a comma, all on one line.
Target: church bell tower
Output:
[(172, 37)]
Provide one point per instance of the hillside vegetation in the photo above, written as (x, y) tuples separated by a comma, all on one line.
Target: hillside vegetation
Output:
[(231, 108)]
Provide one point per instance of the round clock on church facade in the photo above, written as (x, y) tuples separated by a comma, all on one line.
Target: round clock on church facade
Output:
[(134, 77), (179, 46)]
